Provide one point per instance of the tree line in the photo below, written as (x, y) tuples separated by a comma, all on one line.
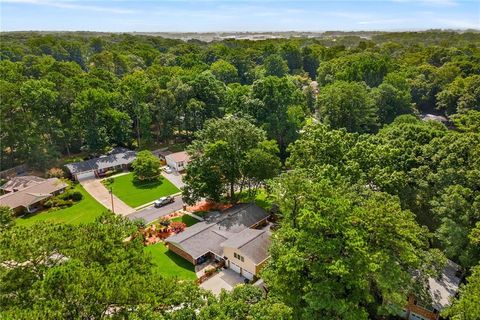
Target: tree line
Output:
[(62, 94), (367, 193)]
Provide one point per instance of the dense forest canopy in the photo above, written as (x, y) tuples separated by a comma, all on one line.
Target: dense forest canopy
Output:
[(368, 189), (64, 93)]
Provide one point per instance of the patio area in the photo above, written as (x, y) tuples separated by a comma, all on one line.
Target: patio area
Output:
[(225, 279)]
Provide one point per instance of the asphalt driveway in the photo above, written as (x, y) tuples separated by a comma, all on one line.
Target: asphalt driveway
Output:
[(151, 213)]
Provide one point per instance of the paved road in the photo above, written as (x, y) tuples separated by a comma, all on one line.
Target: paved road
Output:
[(151, 213), (102, 195)]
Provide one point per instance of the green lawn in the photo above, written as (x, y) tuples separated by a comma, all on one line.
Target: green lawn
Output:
[(169, 264), (135, 194), (201, 213), (86, 210), (188, 220)]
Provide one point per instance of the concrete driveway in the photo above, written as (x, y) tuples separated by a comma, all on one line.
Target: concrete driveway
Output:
[(225, 279), (97, 190), (151, 213), (175, 178)]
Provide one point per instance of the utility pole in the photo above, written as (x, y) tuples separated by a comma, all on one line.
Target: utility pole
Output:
[(111, 198)]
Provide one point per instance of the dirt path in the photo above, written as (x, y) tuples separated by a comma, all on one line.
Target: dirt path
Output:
[(97, 190)]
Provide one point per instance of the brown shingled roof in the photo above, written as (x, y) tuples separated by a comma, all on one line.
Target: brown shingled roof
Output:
[(21, 182), (32, 194)]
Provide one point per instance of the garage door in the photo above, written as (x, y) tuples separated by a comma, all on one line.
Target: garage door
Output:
[(86, 175), (234, 267), (247, 274)]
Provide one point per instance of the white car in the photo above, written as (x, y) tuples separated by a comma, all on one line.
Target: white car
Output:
[(168, 170), (163, 201)]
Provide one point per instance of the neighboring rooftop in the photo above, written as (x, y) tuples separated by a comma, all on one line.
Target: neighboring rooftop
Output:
[(32, 194), (112, 160), (434, 117), (21, 182), (444, 288), (181, 156), (161, 153), (209, 235)]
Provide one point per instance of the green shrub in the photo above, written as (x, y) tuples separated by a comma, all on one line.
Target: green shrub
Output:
[(57, 203), (76, 196), (70, 195), (48, 203)]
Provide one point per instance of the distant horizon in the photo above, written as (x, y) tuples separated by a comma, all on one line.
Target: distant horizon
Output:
[(238, 16), (253, 31)]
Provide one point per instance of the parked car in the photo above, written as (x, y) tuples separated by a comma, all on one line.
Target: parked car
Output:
[(163, 201), (168, 170)]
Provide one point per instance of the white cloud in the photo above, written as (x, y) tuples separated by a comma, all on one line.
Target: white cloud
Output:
[(72, 5), (438, 3)]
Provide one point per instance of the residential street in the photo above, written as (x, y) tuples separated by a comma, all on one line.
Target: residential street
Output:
[(151, 213)]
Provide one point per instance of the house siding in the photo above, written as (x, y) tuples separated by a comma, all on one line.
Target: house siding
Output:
[(412, 307), (181, 253), (247, 264)]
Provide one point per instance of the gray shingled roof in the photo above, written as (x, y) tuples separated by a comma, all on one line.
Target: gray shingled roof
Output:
[(109, 161), (251, 243), (443, 288), (161, 152), (208, 236)]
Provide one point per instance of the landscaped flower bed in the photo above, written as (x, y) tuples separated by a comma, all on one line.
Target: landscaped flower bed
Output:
[(164, 228)]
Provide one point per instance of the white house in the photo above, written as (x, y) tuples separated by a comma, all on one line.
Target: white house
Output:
[(178, 161)]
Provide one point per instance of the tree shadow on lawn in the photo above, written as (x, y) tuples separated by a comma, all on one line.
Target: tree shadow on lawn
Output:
[(147, 184), (179, 261)]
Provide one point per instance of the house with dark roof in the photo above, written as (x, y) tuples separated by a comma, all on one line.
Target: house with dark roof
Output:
[(441, 291), (19, 183), (31, 198), (161, 153), (118, 159), (231, 236)]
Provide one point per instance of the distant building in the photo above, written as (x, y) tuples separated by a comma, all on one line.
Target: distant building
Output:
[(31, 198), (433, 117), (120, 158), (230, 236), (441, 290), (161, 153), (178, 161)]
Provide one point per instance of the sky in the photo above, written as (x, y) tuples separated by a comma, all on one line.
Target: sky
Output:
[(217, 15)]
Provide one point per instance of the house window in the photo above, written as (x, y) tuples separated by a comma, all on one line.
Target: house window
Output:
[(239, 257)]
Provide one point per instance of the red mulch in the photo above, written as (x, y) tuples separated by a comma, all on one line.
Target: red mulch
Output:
[(208, 206)]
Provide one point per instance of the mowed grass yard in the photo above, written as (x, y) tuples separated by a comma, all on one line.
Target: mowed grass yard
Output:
[(86, 210), (136, 193), (169, 264), (188, 220)]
